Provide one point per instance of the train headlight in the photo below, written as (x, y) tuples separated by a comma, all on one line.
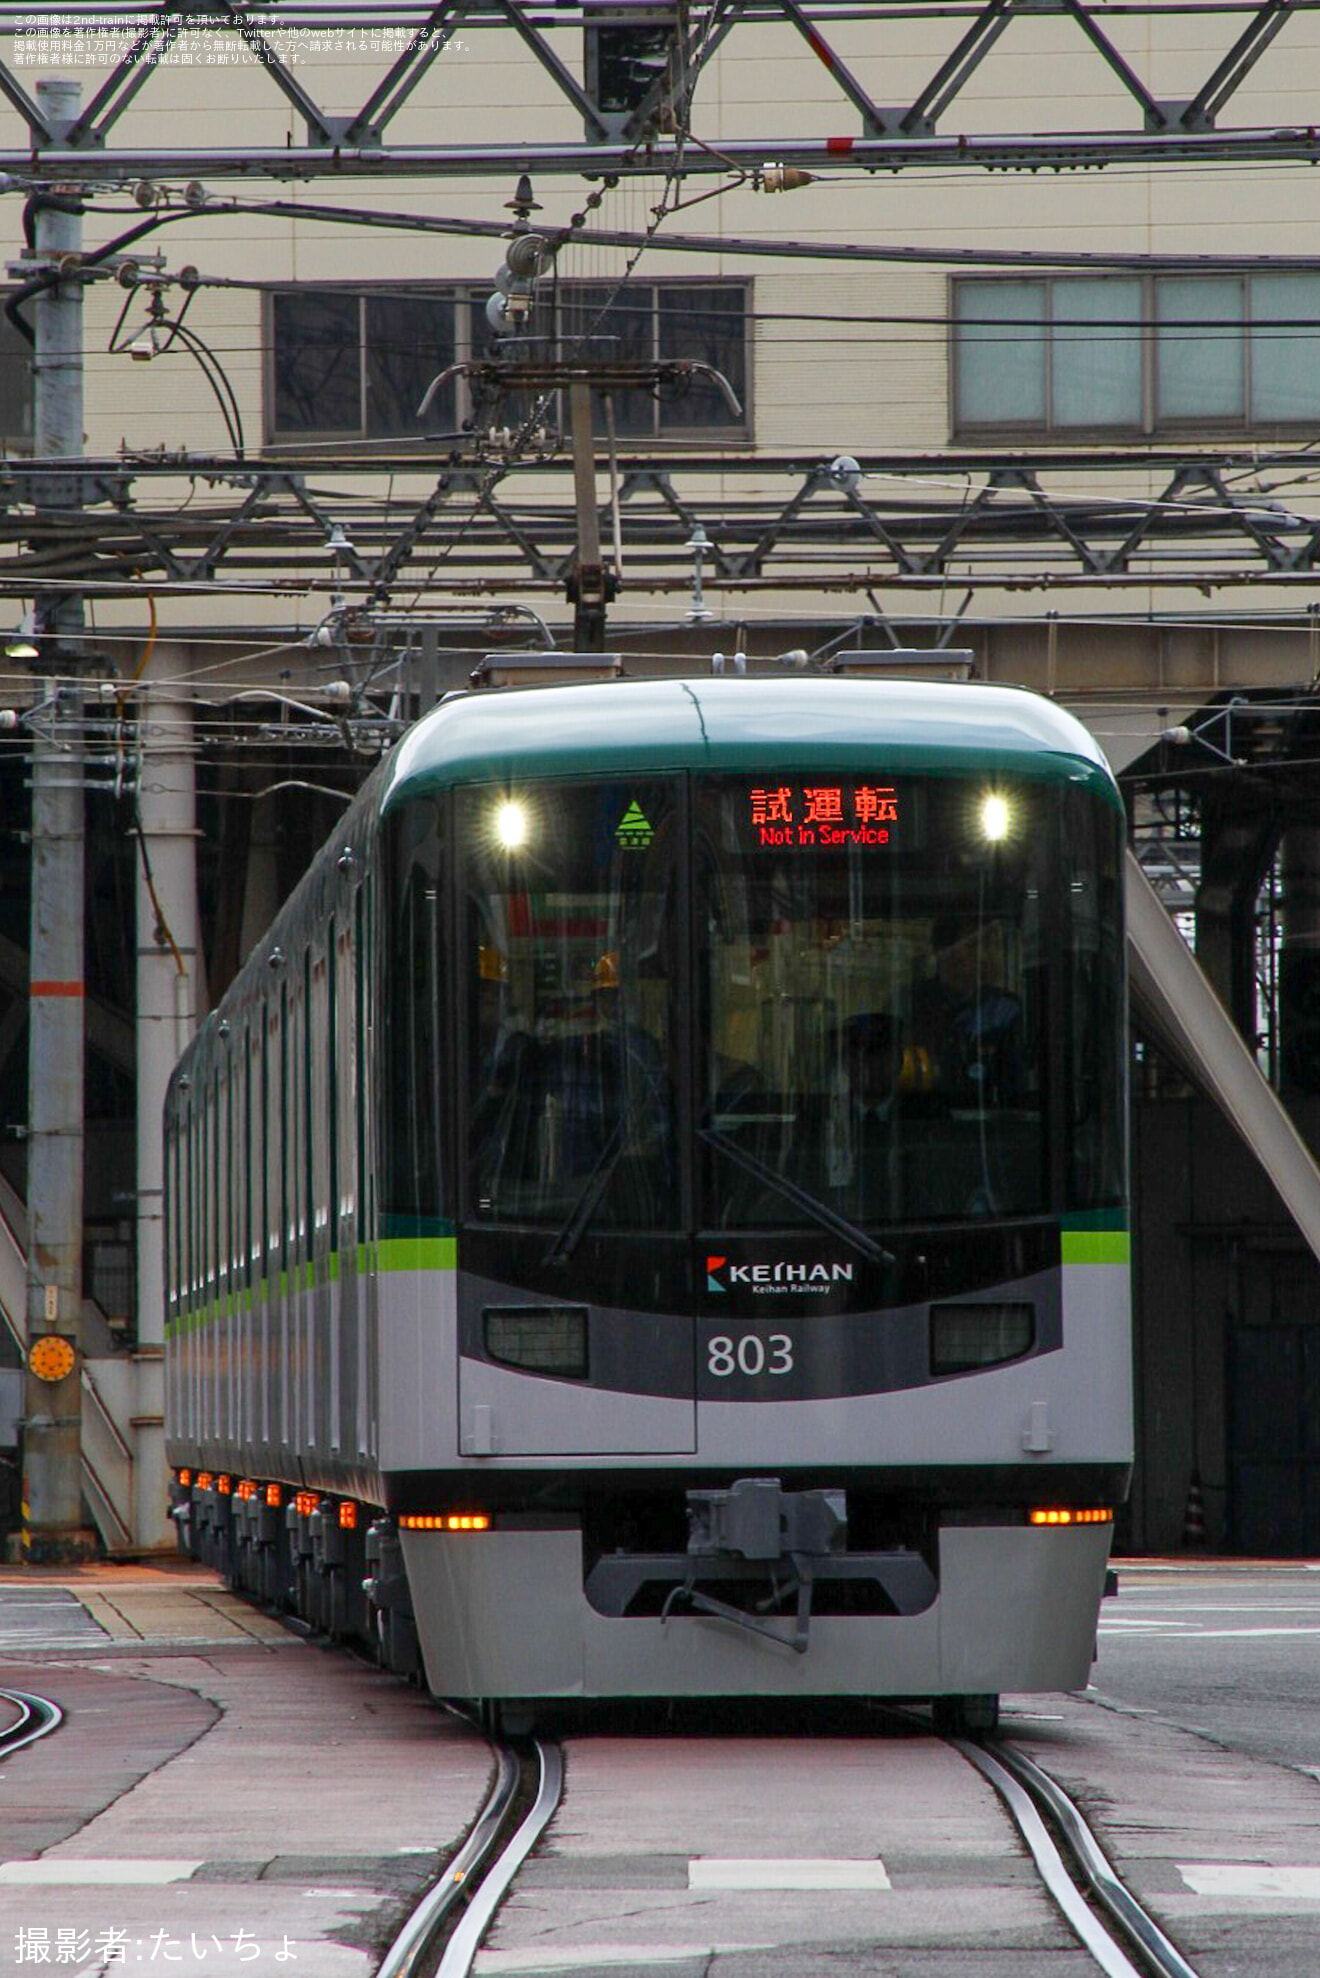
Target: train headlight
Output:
[(996, 818), (511, 826), (965, 1337)]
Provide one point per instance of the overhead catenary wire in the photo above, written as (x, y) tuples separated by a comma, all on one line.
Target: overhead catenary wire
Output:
[(772, 246)]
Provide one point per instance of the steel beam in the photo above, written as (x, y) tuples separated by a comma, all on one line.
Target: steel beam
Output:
[(887, 137), (802, 523), (1282, 144)]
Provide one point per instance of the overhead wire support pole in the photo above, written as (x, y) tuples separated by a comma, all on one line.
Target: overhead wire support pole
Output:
[(53, 1529), (589, 589)]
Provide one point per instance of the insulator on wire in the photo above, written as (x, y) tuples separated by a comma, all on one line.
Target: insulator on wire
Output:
[(782, 178)]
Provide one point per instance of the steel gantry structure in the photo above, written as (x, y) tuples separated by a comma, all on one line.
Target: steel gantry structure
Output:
[(633, 109), (1217, 520)]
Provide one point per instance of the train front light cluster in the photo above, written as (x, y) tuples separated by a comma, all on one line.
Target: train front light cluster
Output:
[(444, 1521), (1069, 1515), (545, 1339), (981, 1334)]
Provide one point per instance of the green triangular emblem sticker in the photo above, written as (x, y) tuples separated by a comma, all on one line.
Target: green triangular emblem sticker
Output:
[(635, 830)]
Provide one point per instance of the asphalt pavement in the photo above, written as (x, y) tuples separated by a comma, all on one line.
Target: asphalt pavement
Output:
[(1227, 1649)]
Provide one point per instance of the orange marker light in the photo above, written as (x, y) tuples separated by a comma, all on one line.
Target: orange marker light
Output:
[(1095, 1516), (452, 1521)]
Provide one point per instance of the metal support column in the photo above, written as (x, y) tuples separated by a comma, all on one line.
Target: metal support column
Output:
[(1299, 964), (53, 1525), (589, 587), (168, 979), (1238, 837)]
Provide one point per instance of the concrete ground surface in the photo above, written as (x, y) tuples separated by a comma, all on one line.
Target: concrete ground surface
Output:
[(226, 1797), (223, 1797), (643, 1817)]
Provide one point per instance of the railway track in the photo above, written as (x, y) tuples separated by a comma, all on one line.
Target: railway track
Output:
[(34, 1717), (478, 1878), (1120, 1936), (1076, 1870)]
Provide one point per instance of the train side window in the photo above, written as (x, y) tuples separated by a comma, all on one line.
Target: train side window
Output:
[(208, 1193), (225, 1128), (168, 1208), (299, 1119), (411, 1016), (316, 1048), (186, 1208), (199, 1202), (360, 1054), (346, 1088), (195, 1268), (369, 1140), (237, 1164), (1095, 1021), (283, 1116), (270, 1181), (251, 1153), (329, 1057), (216, 1197)]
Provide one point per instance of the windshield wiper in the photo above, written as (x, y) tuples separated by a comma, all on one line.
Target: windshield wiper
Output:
[(579, 1216), (802, 1198)]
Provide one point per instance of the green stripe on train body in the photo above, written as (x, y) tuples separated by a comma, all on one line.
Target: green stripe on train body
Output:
[(1096, 1246)]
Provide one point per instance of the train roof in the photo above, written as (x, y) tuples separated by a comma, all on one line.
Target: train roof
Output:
[(737, 723)]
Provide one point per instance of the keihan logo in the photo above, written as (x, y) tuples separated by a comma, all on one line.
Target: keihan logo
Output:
[(777, 1278)]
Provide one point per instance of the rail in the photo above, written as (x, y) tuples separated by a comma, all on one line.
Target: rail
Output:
[(38, 1716), (476, 1919), (423, 1927), (1025, 1788)]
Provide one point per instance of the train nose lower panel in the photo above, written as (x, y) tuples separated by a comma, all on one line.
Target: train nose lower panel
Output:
[(506, 1615)]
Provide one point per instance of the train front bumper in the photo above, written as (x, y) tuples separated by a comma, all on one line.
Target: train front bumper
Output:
[(503, 1614)]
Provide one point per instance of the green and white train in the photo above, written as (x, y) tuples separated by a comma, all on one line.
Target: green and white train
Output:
[(653, 1207)]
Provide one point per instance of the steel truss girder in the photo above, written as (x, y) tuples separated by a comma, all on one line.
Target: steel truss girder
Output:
[(891, 136), (985, 521)]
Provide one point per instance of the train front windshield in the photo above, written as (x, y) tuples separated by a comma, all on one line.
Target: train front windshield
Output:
[(790, 999)]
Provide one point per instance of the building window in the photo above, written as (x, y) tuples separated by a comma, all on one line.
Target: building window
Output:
[(356, 365), (1065, 355), (350, 365)]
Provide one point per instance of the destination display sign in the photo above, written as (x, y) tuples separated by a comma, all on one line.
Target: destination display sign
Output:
[(823, 815)]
